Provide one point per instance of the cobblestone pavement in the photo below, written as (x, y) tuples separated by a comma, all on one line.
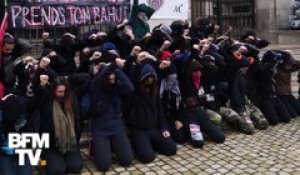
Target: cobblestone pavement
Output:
[(273, 151)]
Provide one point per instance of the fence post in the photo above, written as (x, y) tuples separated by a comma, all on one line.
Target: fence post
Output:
[(253, 13), (219, 14)]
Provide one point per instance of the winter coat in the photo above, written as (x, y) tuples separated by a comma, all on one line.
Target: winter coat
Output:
[(7, 76), (145, 111), (106, 101), (43, 103), (57, 63), (11, 120), (283, 77)]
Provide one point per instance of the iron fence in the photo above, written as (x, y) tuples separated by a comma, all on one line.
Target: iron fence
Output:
[(240, 14)]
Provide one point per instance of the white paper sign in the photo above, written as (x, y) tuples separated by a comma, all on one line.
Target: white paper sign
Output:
[(169, 9)]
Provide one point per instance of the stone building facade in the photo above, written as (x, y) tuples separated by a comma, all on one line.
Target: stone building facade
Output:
[(273, 21)]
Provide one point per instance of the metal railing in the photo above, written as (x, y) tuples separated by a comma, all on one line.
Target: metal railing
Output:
[(240, 14), (34, 35)]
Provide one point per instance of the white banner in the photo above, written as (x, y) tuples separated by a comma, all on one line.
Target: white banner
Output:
[(169, 9)]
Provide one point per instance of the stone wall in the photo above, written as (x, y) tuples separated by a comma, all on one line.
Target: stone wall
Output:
[(283, 12), (272, 21)]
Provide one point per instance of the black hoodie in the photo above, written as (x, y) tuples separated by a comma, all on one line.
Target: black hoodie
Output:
[(146, 111)]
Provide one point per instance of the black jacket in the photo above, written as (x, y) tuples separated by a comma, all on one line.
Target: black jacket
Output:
[(106, 101), (43, 102), (145, 112)]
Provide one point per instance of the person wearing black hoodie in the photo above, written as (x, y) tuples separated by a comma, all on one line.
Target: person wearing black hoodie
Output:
[(170, 95), (145, 120), (12, 49), (283, 85), (213, 68), (250, 37), (238, 65), (271, 105), (196, 119), (28, 71), (123, 38), (25, 72), (252, 75), (12, 120), (201, 28), (60, 117), (107, 127), (57, 62), (66, 48)]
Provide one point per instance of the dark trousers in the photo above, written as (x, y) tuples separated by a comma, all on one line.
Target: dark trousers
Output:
[(9, 166), (61, 164), (145, 142), (119, 143), (198, 116), (180, 135), (275, 111), (183, 135), (291, 104), (237, 92)]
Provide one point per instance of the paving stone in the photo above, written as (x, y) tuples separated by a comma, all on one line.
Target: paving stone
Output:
[(172, 171), (136, 172), (210, 171), (145, 169), (182, 169), (125, 173), (119, 169), (110, 172), (215, 166), (238, 171), (166, 167), (287, 170), (284, 173), (223, 170), (150, 173), (86, 173), (231, 173), (161, 172), (131, 168)]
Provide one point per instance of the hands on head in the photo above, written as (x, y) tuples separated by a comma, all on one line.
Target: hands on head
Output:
[(144, 56), (135, 50)]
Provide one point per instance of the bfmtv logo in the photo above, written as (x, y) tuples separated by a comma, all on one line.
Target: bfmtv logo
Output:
[(36, 143), (155, 4)]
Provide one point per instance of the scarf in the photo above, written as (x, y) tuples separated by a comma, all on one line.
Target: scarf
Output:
[(196, 80), (170, 83), (64, 128)]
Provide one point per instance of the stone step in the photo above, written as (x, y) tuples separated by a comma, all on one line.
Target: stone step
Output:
[(289, 37)]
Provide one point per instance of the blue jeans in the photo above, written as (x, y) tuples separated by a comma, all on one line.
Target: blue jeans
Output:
[(9, 166)]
